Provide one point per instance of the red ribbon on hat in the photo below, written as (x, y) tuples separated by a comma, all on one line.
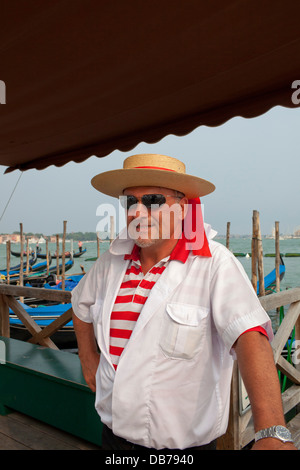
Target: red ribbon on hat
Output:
[(193, 233), (154, 168)]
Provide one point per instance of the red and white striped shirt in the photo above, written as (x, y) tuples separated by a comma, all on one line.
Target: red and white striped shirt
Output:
[(129, 302)]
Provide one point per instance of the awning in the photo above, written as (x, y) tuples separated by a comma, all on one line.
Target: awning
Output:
[(87, 77)]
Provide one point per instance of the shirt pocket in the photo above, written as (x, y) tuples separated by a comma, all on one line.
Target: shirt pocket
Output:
[(183, 330)]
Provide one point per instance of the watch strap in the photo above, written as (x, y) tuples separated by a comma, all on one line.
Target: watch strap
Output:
[(277, 432)]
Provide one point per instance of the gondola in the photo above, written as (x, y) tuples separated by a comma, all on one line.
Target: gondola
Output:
[(43, 315), (270, 279), (18, 254), (16, 269), (76, 254), (41, 271)]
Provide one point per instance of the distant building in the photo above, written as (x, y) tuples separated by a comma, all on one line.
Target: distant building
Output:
[(297, 233)]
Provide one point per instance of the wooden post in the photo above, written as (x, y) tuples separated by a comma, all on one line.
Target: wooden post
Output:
[(63, 256), (228, 235), (277, 259), (98, 246), (4, 317), (7, 261), (254, 250), (260, 261), (231, 440), (112, 228), (27, 255), (297, 351), (257, 255), (47, 256), (57, 255), (21, 254)]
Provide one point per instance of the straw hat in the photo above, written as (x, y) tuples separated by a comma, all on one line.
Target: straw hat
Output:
[(151, 170)]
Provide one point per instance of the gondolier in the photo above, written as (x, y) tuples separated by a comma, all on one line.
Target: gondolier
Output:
[(170, 309)]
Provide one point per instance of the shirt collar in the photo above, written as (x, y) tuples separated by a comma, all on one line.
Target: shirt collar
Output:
[(179, 253), (134, 255)]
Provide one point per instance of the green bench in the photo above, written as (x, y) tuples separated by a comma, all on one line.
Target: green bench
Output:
[(48, 385)]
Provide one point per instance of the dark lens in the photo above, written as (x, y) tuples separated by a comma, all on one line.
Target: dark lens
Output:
[(153, 199), (128, 201)]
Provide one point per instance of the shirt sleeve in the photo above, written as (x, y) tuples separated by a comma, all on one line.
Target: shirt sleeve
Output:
[(84, 295), (259, 329), (235, 306)]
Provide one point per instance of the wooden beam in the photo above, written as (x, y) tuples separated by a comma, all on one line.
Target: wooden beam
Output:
[(290, 398), (289, 370), (36, 292), (54, 326), (285, 329), (4, 317), (30, 324), (269, 302)]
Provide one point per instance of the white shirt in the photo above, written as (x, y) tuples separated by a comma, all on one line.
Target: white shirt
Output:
[(172, 386)]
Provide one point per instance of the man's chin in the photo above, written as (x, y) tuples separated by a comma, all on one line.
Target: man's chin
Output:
[(144, 243)]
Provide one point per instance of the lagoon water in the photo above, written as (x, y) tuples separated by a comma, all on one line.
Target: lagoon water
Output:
[(237, 245), (289, 245)]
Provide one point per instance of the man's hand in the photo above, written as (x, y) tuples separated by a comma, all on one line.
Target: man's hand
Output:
[(89, 365), (270, 443), (258, 370), (87, 350)]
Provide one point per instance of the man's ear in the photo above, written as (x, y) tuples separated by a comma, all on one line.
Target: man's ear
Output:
[(184, 205)]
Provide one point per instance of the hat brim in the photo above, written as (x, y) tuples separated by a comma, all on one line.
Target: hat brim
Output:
[(114, 182)]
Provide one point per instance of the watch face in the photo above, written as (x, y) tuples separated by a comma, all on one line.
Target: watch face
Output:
[(283, 433)]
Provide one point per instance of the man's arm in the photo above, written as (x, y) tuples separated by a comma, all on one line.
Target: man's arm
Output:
[(258, 370), (87, 350)]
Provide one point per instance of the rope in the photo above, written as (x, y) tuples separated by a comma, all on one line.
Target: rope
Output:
[(11, 196)]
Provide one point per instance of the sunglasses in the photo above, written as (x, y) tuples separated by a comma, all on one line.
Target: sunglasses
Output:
[(148, 200)]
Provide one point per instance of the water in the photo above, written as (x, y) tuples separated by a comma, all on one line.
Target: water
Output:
[(292, 265), (243, 245), (91, 252), (238, 245)]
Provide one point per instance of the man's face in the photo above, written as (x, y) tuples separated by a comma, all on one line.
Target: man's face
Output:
[(151, 225)]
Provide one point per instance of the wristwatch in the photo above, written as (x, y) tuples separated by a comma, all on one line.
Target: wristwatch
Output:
[(279, 432)]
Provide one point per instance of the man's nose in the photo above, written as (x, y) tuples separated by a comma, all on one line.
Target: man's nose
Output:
[(138, 210)]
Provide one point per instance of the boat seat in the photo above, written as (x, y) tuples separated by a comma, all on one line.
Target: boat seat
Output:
[(48, 385)]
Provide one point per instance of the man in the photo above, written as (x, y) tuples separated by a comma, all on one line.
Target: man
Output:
[(170, 309)]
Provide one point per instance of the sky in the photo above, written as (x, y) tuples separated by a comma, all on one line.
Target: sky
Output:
[(254, 164)]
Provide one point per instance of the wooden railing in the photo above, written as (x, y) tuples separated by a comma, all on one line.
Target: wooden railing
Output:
[(240, 431), (39, 335)]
